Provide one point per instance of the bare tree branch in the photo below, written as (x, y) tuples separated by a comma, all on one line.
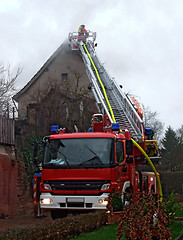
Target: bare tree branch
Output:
[(7, 87), (150, 119)]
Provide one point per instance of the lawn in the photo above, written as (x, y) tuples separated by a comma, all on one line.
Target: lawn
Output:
[(178, 209), (176, 229), (109, 232)]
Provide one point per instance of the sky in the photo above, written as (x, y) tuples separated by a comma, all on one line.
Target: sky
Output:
[(139, 43)]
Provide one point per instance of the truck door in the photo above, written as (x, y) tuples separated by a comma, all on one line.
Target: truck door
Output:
[(121, 171)]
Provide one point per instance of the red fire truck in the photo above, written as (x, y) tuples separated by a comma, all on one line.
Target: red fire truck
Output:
[(80, 169)]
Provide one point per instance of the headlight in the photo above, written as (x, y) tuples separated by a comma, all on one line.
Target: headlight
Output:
[(105, 186), (46, 186), (46, 201), (103, 201)]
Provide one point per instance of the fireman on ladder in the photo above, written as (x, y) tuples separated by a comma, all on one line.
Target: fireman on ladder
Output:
[(82, 33)]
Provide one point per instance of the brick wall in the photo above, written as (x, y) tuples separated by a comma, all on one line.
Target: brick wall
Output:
[(8, 185)]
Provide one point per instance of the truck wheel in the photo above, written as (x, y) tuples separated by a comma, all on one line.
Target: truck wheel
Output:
[(55, 214)]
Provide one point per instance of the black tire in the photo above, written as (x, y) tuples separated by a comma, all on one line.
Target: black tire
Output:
[(55, 214)]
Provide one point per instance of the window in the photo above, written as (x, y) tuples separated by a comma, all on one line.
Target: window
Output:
[(64, 76), (119, 152), (79, 153)]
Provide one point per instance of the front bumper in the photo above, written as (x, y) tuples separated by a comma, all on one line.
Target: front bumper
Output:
[(48, 201)]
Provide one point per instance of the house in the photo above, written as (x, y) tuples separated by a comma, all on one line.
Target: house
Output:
[(59, 93)]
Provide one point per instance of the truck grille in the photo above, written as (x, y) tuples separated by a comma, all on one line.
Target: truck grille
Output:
[(76, 185)]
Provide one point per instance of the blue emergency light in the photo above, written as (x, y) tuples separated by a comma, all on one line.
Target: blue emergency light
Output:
[(54, 128), (148, 131), (115, 126)]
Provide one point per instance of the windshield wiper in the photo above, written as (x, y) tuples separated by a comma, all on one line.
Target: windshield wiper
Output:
[(93, 153), (93, 159)]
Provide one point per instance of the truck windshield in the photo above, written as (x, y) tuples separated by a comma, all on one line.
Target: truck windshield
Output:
[(79, 153)]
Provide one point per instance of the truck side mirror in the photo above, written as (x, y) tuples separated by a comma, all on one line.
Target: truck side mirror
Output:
[(129, 147)]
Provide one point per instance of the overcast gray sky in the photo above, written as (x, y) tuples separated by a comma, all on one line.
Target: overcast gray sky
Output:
[(139, 41)]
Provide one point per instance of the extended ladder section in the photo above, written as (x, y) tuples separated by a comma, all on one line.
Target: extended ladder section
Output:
[(108, 94)]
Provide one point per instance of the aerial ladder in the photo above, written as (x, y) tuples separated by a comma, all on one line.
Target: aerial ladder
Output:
[(103, 84)]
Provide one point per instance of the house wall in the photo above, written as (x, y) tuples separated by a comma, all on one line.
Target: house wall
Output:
[(66, 61), (8, 185)]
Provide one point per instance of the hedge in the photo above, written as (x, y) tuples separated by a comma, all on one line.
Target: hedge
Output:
[(64, 229)]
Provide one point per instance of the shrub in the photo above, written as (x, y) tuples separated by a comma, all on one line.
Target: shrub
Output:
[(114, 202), (174, 207), (28, 154), (64, 229), (145, 217)]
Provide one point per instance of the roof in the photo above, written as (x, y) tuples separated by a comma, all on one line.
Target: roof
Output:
[(87, 135), (63, 46), (83, 135)]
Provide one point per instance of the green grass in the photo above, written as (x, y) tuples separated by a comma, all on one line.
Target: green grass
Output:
[(176, 226), (179, 209), (176, 229), (109, 232), (106, 233)]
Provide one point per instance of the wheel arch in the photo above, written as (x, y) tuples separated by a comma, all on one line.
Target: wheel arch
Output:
[(126, 185)]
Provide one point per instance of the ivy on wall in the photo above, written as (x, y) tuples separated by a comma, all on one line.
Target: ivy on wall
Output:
[(28, 154)]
